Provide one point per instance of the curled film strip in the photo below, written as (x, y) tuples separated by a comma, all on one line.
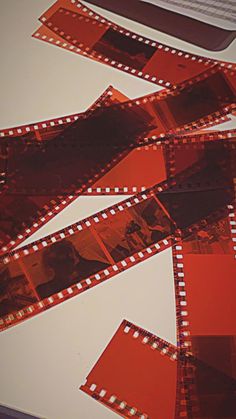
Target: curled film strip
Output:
[(86, 253), (137, 370), (71, 25)]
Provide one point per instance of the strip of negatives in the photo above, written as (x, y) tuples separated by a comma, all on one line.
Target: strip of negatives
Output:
[(208, 271), (80, 154), (71, 25), (142, 376), (25, 158), (13, 221), (21, 213), (205, 271), (74, 259), (49, 128), (22, 216)]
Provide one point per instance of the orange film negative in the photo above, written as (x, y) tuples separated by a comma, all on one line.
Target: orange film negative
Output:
[(205, 269), (122, 179), (71, 25), (23, 215), (23, 156), (20, 213), (46, 272), (140, 375), (48, 129), (82, 161)]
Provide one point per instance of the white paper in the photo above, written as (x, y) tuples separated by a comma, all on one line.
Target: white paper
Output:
[(220, 13)]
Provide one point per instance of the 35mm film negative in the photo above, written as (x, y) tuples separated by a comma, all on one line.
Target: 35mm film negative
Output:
[(133, 120), (23, 155), (68, 262), (71, 25), (140, 375), (201, 263), (122, 179), (14, 223), (204, 272), (48, 129), (210, 256)]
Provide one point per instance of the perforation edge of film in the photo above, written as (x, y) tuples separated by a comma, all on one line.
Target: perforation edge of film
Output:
[(182, 315), (232, 225)]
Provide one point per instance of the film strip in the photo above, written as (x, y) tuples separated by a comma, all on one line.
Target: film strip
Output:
[(206, 260), (76, 258), (140, 375), (48, 129), (28, 154), (205, 309), (71, 25), (132, 120), (122, 179), (15, 224)]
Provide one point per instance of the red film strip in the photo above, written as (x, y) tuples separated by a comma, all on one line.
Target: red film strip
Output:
[(142, 376), (132, 120), (86, 253), (122, 179), (205, 267), (50, 128), (71, 25), (17, 225), (204, 272), (27, 154)]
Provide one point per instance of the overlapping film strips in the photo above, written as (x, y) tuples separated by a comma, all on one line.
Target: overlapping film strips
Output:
[(201, 383), (36, 209), (184, 198), (137, 384), (122, 235), (138, 122), (71, 25)]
